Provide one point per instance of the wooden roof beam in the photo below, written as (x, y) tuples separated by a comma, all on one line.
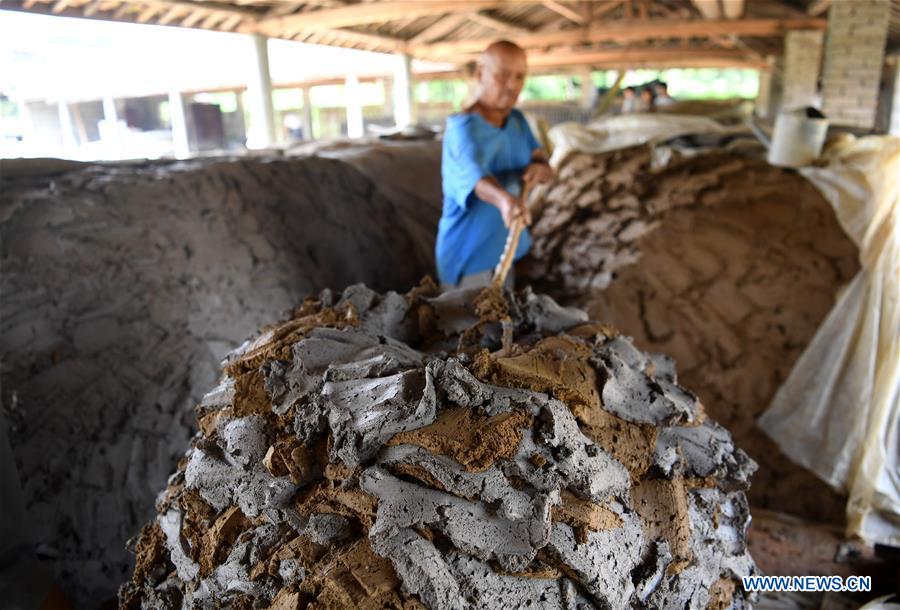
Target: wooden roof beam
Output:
[(204, 7), (365, 39), (624, 31), (482, 18), (377, 12), (818, 7), (561, 9), (440, 28), (626, 58)]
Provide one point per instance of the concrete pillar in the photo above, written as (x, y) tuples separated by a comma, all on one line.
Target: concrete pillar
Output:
[(802, 60), (307, 120), (894, 126), (404, 105), (854, 52), (355, 124), (178, 116), (763, 105), (768, 95), (388, 87), (65, 126), (110, 114), (261, 133), (588, 90)]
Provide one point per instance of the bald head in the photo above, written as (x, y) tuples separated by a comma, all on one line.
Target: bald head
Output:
[(500, 50), (500, 73)]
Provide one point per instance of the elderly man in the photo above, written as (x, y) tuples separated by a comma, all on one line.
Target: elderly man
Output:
[(488, 152)]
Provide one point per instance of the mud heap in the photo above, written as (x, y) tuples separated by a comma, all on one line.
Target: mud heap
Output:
[(390, 451), (725, 263), (125, 284)]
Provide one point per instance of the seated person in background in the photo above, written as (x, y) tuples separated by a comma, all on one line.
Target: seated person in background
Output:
[(663, 98), (629, 100), (488, 151), (646, 101)]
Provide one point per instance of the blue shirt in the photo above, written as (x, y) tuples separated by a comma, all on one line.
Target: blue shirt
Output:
[(471, 233)]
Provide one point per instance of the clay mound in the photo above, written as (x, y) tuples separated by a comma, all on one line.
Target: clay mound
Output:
[(388, 451), (123, 287), (725, 263)]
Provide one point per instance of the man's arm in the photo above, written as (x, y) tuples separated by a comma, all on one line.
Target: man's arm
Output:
[(488, 189), (539, 170)]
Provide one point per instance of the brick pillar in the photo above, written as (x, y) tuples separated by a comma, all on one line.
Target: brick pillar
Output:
[(854, 52), (802, 57)]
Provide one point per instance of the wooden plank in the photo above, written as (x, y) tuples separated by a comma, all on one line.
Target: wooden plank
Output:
[(440, 28), (378, 12), (230, 23), (93, 7), (211, 20), (644, 57), (633, 58), (170, 15), (192, 19), (341, 35), (608, 7), (631, 31), (561, 9), (206, 7), (489, 21), (283, 9), (818, 7), (145, 15)]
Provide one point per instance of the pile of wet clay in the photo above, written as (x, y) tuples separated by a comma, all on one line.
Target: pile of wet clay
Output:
[(723, 262), (448, 450), (125, 284)]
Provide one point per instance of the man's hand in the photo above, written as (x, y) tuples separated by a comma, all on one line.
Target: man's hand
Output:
[(538, 172), (512, 207)]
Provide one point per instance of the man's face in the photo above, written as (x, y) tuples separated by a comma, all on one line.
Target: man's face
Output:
[(502, 76)]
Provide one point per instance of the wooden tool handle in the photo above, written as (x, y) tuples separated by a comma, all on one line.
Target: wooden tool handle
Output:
[(512, 242)]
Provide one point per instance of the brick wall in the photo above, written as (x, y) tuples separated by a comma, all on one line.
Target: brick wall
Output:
[(854, 52), (802, 57)]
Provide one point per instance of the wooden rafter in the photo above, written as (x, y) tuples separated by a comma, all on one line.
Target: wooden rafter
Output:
[(365, 39), (440, 28), (818, 7), (481, 17), (621, 31), (566, 11), (632, 57), (379, 12)]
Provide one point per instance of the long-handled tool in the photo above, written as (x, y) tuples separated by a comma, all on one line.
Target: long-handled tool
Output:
[(512, 242)]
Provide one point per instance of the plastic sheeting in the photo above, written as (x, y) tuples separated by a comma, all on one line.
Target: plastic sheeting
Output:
[(625, 130), (838, 413)]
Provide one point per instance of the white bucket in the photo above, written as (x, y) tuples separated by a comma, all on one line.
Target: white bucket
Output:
[(797, 139)]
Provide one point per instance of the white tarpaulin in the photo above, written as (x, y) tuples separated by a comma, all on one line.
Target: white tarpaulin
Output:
[(625, 130), (838, 413)]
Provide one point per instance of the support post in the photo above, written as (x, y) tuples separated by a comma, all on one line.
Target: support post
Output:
[(588, 90), (307, 118), (404, 105), (177, 115), (355, 126), (65, 126), (763, 106), (110, 114), (261, 133), (894, 126)]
